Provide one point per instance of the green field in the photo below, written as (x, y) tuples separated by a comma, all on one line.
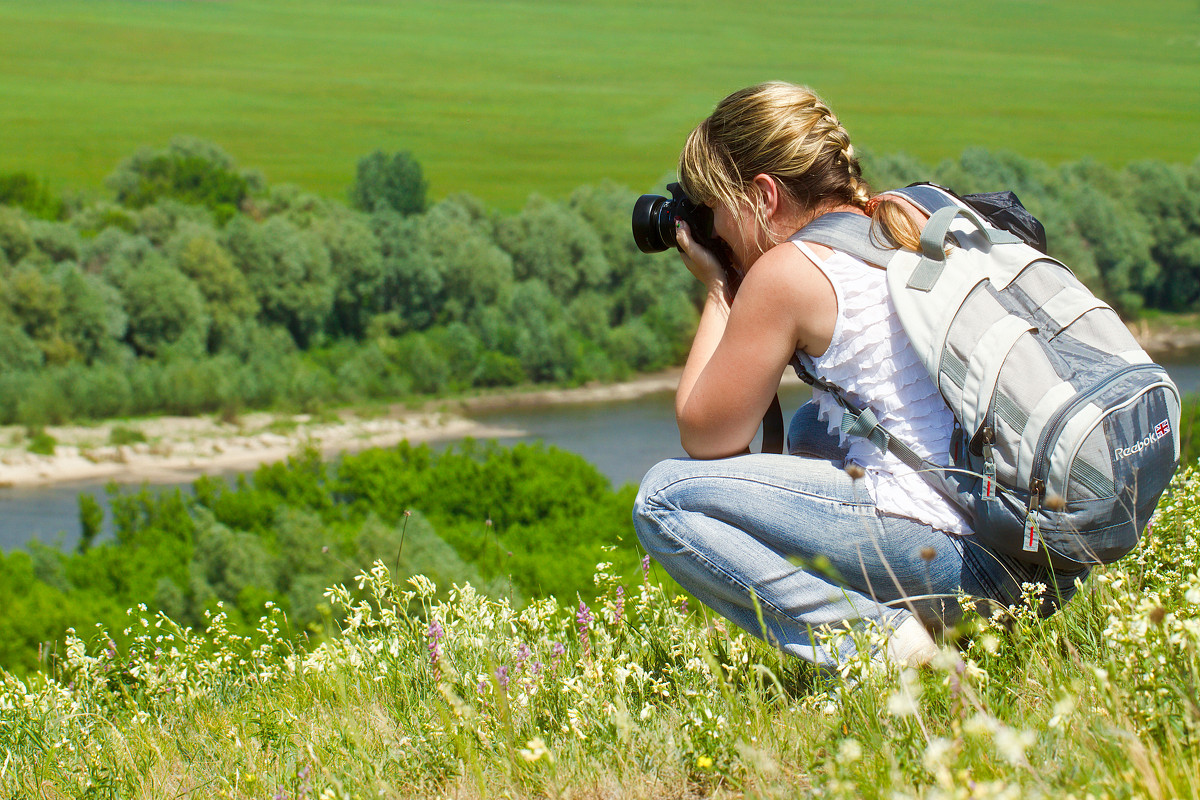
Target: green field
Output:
[(504, 99)]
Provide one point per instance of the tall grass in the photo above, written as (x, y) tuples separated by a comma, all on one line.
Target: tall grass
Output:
[(427, 692)]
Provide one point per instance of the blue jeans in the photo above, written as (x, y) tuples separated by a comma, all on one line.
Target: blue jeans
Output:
[(801, 536)]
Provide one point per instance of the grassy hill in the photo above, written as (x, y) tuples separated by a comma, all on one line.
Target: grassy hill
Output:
[(458, 695), (503, 99)]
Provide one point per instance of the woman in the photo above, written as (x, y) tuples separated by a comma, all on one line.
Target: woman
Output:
[(873, 541)]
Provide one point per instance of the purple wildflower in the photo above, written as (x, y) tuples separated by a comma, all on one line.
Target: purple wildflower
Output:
[(556, 654), (435, 634), (646, 567), (502, 676), (584, 618), (619, 611), (522, 654)]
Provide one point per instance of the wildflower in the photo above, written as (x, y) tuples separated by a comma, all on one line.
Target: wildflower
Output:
[(556, 653), (620, 605), (1062, 709), (1013, 743), (535, 749), (502, 676), (435, 634), (904, 702), (646, 567), (704, 762), (583, 618), (849, 751), (935, 753), (523, 654), (1192, 595)]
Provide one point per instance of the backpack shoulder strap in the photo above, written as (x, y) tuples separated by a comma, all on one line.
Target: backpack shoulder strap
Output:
[(929, 197), (847, 232)]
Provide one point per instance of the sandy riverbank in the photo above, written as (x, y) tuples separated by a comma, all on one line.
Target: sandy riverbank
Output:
[(178, 449)]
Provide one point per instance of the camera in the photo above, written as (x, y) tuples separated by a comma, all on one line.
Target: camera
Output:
[(654, 218)]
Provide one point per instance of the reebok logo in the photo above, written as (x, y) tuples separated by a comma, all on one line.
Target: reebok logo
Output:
[(1160, 430)]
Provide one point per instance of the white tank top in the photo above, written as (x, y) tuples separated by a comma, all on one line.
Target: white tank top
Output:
[(872, 360)]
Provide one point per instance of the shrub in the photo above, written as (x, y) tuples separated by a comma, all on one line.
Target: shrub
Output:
[(40, 442), (121, 435)]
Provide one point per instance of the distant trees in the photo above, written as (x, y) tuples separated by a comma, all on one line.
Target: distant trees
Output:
[(197, 287), (190, 170), (1132, 235), (385, 181)]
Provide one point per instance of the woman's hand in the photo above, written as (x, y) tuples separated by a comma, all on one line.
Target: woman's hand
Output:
[(700, 261)]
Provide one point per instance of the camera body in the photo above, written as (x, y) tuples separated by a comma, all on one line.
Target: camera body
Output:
[(654, 218)]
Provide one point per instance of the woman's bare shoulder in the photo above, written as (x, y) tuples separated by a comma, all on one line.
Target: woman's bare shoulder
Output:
[(786, 269), (785, 284)]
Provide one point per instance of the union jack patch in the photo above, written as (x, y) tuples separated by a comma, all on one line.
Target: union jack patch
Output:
[(1162, 429)]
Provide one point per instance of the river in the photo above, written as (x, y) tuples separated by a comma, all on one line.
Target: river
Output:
[(622, 439)]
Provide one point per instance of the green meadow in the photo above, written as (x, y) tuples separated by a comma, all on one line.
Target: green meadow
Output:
[(506, 99)]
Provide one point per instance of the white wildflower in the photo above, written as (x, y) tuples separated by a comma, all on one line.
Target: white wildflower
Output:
[(936, 752), (535, 749), (1013, 743)]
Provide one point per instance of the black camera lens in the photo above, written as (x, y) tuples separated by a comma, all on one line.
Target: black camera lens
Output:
[(653, 223), (654, 218)]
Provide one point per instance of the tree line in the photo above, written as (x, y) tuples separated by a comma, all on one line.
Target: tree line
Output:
[(194, 286), (198, 288)]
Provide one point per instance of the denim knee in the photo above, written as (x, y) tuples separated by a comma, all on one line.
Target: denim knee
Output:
[(656, 479)]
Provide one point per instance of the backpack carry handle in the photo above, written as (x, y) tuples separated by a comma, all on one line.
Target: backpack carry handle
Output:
[(933, 243)]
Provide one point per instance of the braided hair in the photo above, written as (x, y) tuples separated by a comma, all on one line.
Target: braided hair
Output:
[(778, 129)]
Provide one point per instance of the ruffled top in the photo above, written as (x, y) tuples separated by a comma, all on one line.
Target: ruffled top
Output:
[(872, 360)]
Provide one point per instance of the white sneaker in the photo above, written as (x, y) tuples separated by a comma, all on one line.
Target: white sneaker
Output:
[(910, 644)]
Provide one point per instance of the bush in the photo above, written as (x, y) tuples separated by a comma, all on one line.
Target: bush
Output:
[(24, 190), (40, 442), (121, 435)]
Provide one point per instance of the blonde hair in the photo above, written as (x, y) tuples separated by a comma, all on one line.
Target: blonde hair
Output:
[(785, 131)]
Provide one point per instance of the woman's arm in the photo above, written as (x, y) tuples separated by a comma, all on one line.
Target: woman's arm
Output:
[(784, 303)]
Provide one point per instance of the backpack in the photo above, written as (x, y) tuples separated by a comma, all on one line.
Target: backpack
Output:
[(1066, 432)]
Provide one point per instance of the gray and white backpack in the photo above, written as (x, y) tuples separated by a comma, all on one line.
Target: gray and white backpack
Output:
[(1067, 432)]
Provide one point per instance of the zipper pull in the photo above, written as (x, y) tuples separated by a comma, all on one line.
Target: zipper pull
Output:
[(1032, 532), (989, 466)]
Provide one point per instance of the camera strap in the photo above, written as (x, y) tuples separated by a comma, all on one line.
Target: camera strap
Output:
[(772, 441)]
